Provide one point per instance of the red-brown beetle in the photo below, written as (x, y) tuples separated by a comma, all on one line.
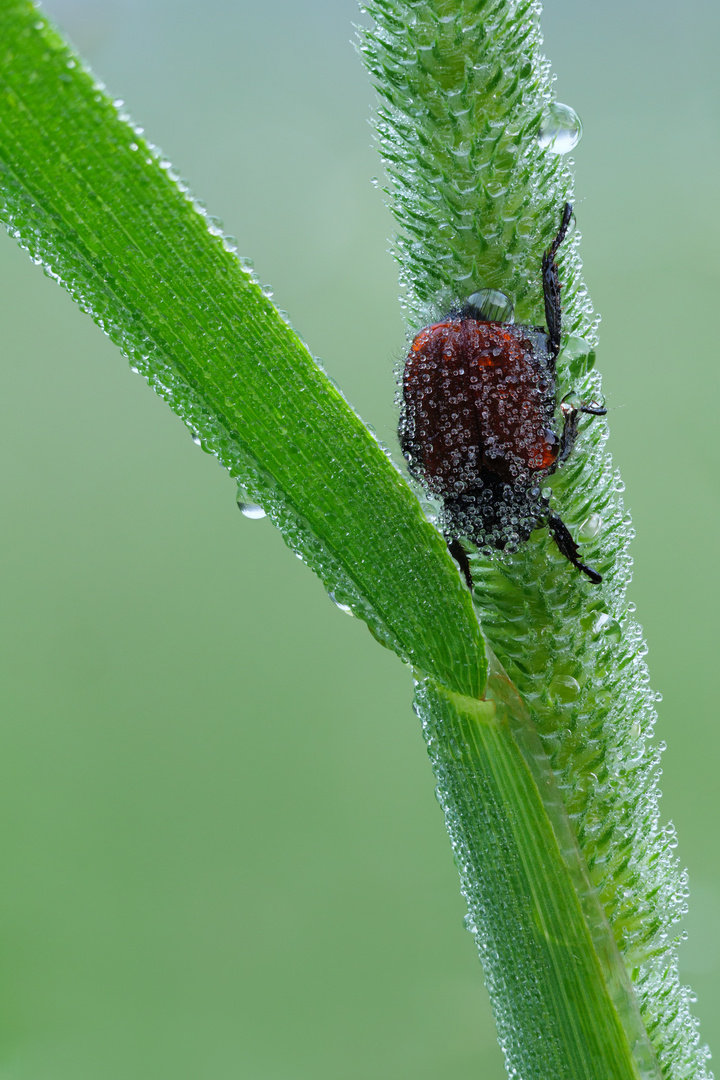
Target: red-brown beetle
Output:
[(478, 425)]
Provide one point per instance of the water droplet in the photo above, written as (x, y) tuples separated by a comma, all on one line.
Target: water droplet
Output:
[(561, 130), (431, 512), (590, 527), (492, 306), (609, 627), (565, 688), (248, 508), (495, 188), (251, 510), (570, 403), (374, 181), (343, 607)]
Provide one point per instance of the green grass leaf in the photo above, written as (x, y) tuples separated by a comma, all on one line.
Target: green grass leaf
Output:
[(99, 208)]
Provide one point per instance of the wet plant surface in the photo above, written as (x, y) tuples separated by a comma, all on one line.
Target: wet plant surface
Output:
[(501, 607)]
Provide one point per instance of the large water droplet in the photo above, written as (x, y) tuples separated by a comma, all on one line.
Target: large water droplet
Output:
[(338, 604), (492, 306), (590, 527), (561, 130), (607, 626), (247, 508), (565, 688), (251, 510)]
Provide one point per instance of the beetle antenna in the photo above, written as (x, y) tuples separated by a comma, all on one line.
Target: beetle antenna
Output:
[(562, 231), (551, 285)]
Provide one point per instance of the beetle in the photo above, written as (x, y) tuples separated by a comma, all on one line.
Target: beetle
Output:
[(478, 420)]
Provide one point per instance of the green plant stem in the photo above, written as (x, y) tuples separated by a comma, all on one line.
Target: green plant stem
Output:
[(465, 93), (563, 1001)]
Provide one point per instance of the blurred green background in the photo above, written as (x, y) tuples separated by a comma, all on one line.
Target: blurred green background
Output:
[(221, 855)]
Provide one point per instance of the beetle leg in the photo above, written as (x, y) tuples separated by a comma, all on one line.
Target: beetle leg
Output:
[(571, 418), (460, 556), (567, 547), (551, 285), (568, 435)]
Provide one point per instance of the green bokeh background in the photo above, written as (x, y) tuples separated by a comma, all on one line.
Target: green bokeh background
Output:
[(221, 855)]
